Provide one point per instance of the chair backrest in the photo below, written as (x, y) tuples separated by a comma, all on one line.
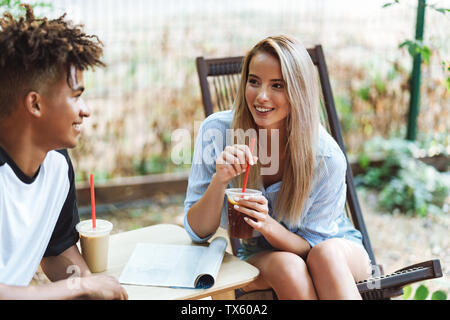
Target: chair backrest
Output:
[(224, 75)]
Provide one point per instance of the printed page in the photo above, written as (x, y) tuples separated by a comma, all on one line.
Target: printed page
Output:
[(172, 265), (162, 265)]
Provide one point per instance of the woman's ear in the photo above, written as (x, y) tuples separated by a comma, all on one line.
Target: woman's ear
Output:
[(33, 103)]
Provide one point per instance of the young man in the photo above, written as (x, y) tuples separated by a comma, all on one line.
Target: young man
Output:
[(41, 112)]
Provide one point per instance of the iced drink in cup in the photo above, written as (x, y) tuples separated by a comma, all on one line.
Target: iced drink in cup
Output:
[(237, 227), (94, 243)]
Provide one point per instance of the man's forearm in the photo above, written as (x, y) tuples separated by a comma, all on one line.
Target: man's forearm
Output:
[(61, 290), (66, 264), (58, 269)]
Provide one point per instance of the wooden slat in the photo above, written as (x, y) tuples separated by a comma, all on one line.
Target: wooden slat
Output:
[(132, 188), (144, 187)]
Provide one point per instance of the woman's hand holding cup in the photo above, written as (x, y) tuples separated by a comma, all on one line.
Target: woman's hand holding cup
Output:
[(257, 209)]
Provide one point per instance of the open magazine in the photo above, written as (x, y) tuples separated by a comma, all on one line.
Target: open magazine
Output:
[(185, 266)]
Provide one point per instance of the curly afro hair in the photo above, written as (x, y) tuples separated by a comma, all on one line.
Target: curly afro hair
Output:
[(34, 52)]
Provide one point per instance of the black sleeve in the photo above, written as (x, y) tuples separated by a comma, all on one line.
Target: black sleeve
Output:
[(65, 235)]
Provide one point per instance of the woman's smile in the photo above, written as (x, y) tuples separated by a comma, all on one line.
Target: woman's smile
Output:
[(262, 110)]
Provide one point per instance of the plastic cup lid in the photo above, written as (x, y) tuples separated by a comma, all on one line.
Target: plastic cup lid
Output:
[(237, 192), (102, 227)]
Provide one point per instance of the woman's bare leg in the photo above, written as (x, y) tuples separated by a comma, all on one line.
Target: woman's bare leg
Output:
[(335, 265), (285, 272)]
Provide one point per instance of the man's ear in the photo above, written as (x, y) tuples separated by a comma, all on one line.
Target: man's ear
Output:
[(33, 101)]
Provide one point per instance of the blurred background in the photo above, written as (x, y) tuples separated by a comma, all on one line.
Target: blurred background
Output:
[(150, 88)]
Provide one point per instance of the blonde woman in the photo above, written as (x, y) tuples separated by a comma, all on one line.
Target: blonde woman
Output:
[(303, 243)]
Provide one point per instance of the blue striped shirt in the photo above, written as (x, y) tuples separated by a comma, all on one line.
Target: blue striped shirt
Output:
[(323, 215)]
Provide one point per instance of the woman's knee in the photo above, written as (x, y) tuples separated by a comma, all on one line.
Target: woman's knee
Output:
[(288, 275), (287, 265), (325, 255)]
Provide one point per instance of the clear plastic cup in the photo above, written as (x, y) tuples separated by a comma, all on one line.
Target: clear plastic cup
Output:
[(95, 243), (237, 227)]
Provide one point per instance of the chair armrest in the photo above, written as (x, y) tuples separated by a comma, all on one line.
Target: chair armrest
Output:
[(418, 272)]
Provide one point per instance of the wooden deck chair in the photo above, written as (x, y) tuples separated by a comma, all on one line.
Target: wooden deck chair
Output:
[(223, 76)]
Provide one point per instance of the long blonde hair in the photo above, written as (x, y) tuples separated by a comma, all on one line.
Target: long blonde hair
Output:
[(302, 122)]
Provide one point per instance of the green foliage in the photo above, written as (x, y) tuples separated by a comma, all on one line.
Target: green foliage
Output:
[(439, 295), (375, 85), (431, 145), (380, 85), (101, 176), (404, 182), (137, 213), (364, 161), (446, 66), (345, 112), (10, 3), (417, 189), (431, 6), (417, 47), (407, 291), (390, 3), (153, 164), (422, 293), (13, 6), (363, 93), (156, 163), (440, 10)]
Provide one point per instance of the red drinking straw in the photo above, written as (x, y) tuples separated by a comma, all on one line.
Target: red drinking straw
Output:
[(248, 166), (92, 201)]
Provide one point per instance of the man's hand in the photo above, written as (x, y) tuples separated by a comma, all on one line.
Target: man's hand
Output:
[(90, 287), (98, 287), (67, 285)]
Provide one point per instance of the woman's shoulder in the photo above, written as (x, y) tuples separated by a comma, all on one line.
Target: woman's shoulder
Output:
[(326, 145), (219, 120)]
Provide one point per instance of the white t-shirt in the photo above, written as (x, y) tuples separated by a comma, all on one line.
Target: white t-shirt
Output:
[(37, 215)]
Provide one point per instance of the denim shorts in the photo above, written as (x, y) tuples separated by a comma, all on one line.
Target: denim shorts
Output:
[(252, 246)]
